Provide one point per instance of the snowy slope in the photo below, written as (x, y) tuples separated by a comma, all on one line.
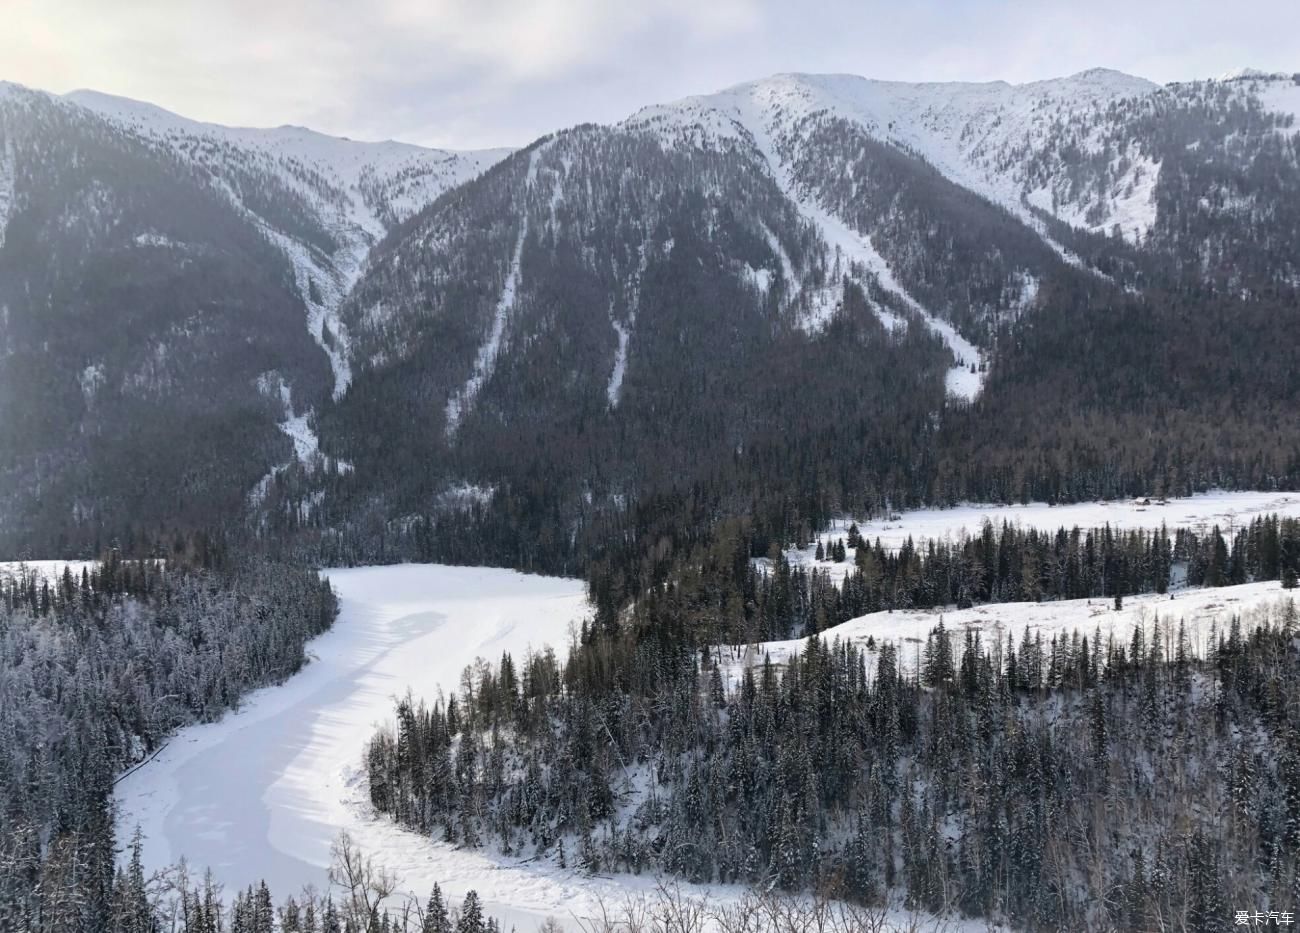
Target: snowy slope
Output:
[(358, 190), (1199, 513), (485, 360), (978, 135), (1200, 610)]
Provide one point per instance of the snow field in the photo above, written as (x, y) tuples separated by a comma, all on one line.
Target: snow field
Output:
[(1200, 513), (1199, 610)]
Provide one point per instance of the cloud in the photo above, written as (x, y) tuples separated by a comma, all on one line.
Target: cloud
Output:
[(491, 72)]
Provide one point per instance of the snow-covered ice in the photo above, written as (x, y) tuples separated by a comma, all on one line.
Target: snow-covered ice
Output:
[(263, 792)]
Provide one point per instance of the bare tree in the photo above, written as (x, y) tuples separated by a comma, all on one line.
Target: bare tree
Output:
[(364, 884)]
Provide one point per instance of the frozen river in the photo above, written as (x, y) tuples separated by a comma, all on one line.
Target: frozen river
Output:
[(264, 792)]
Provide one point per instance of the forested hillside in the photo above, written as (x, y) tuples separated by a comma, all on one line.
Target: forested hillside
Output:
[(98, 671)]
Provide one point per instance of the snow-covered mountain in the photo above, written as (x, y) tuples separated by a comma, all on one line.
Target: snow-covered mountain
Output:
[(986, 137), (356, 190), (691, 279)]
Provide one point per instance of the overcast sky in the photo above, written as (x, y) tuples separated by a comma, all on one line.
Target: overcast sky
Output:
[(470, 73)]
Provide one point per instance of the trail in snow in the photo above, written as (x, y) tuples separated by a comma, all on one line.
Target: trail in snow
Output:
[(858, 249), (484, 363)]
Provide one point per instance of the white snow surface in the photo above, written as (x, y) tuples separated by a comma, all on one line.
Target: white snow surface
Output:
[(6, 186), (1200, 513), (43, 570), (973, 133), (615, 388), (264, 791), (1282, 95), (1200, 610)]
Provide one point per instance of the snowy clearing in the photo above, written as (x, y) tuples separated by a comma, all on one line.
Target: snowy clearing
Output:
[(50, 570), (1201, 512), (1199, 609)]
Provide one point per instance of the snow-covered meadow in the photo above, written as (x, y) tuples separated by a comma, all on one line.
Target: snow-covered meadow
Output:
[(1200, 610), (46, 570), (1200, 513)]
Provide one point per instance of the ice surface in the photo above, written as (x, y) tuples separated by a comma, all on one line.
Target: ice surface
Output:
[(263, 792)]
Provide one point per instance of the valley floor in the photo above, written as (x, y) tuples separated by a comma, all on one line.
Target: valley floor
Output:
[(262, 793)]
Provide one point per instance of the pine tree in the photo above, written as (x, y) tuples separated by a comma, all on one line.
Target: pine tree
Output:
[(436, 918), (471, 915)]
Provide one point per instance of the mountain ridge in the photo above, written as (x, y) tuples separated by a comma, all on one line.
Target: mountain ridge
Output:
[(505, 303)]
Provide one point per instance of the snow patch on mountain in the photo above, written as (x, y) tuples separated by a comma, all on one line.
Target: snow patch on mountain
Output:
[(1282, 96), (486, 359), (297, 427), (6, 186), (857, 248), (615, 387), (614, 390)]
